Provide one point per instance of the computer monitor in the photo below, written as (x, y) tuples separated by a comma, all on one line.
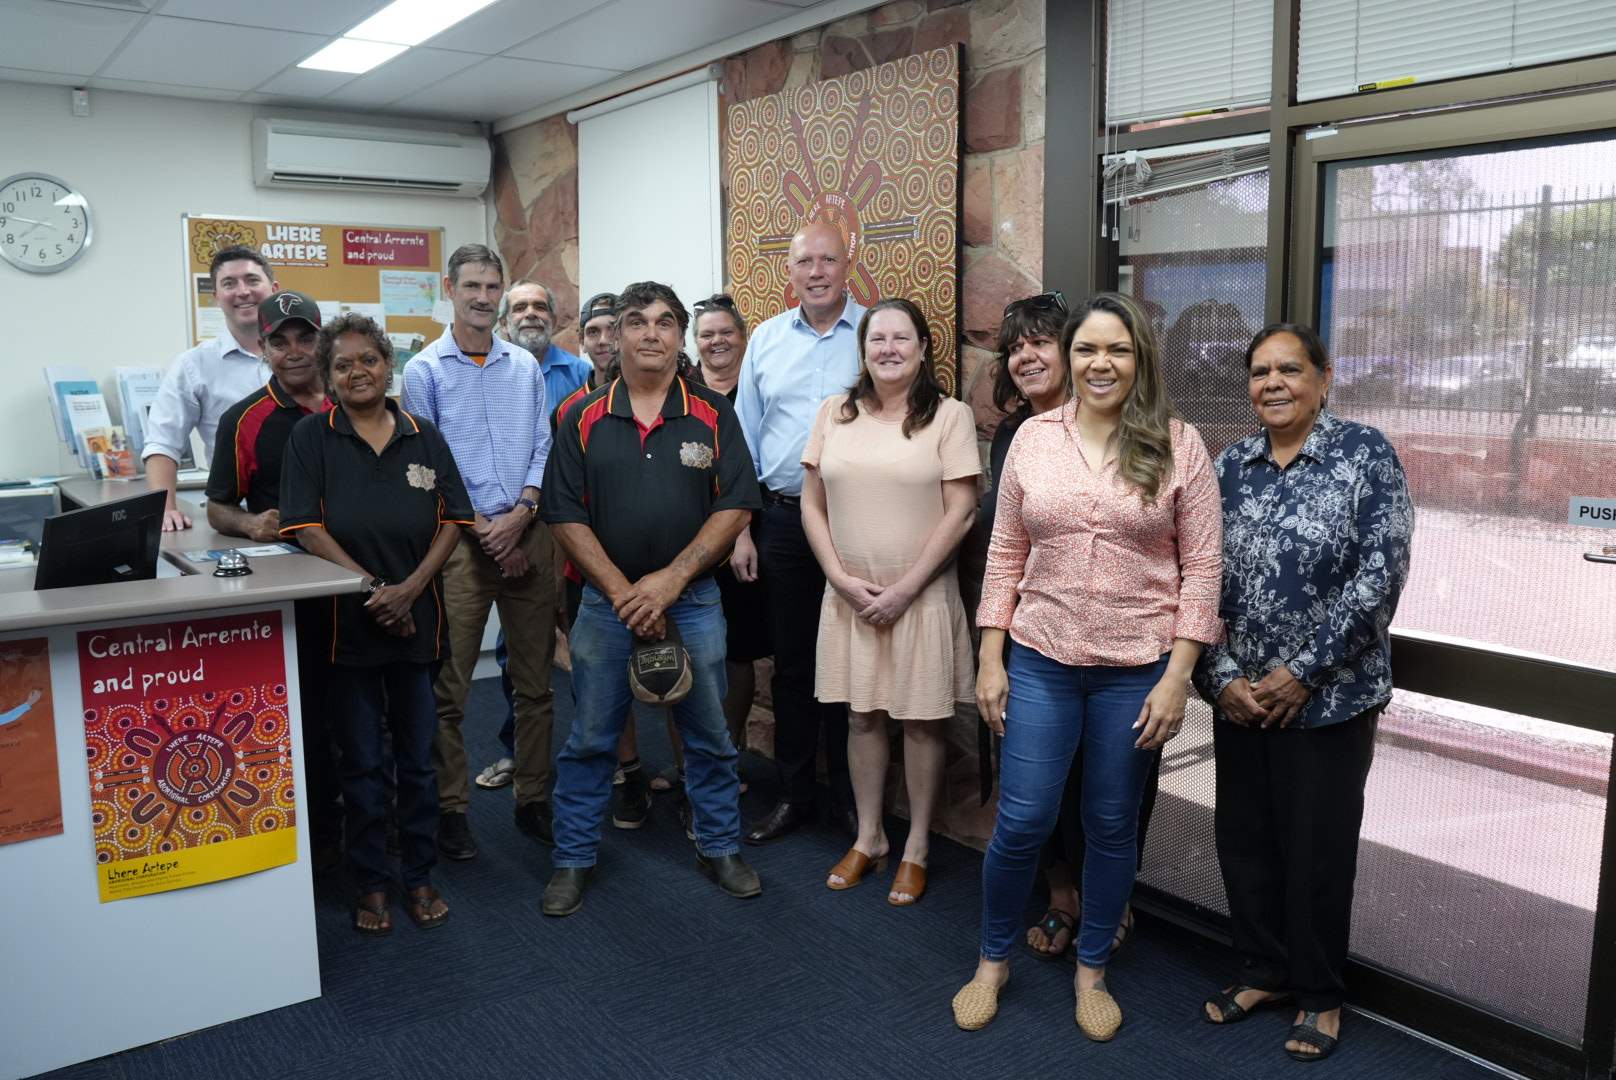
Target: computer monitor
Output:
[(116, 541)]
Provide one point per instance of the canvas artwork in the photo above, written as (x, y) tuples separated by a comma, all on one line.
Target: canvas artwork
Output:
[(875, 152)]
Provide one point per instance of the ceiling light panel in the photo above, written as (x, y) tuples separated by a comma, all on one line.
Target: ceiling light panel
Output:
[(355, 57), (410, 22)]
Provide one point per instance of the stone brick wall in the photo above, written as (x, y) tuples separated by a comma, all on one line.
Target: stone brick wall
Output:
[(535, 188)]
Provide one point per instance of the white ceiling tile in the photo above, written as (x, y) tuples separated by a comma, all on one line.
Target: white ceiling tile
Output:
[(511, 22), (69, 38), (307, 16), (612, 37), (403, 75), (58, 78), (498, 87), (305, 82), (135, 86), (190, 53)]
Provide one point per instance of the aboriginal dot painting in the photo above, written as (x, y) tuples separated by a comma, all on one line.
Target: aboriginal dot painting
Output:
[(874, 152)]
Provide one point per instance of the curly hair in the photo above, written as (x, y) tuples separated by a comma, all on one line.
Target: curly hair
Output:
[(1144, 438), (925, 394), (642, 294), (1036, 321), (348, 323)]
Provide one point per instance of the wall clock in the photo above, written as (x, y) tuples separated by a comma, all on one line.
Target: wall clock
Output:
[(44, 223)]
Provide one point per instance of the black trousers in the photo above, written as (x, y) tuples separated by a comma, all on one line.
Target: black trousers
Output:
[(794, 588), (1289, 805), (313, 619), (1067, 843)]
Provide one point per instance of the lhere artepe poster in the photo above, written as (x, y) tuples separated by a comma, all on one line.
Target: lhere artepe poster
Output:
[(30, 791), (187, 735)]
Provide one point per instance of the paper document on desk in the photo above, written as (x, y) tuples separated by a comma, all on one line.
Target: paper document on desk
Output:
[(257, 551)]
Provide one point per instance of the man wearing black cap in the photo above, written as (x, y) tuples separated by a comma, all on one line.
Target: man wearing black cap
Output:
[(247, 468), (647, 485)]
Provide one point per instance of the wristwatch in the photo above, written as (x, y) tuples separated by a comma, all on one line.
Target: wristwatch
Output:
[(532, 507)]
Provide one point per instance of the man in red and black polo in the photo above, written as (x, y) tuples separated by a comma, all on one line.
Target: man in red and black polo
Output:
[(647, 485), (247, 468)]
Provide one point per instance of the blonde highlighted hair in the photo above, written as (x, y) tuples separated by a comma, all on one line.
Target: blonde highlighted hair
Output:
[(1144, 438)]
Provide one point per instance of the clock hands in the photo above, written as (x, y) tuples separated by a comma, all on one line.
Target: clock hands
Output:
[(32, 221)]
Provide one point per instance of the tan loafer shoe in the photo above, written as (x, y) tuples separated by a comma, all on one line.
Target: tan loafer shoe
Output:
[(1098, 1014), (976, 1005)]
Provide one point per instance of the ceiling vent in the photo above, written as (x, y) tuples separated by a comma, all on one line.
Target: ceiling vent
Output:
[(314, 154)]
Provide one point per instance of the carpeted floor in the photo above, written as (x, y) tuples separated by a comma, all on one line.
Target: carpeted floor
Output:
[(660, 975)]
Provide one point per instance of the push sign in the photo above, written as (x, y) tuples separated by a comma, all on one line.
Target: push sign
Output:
[(1600, 513)]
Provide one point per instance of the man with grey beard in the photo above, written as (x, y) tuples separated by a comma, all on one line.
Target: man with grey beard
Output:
[(527, 317)]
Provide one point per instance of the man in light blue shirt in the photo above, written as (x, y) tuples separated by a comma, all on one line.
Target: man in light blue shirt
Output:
[(793, 362), (488, 399)]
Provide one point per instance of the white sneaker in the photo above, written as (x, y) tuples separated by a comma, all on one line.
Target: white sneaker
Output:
[(498, 775)]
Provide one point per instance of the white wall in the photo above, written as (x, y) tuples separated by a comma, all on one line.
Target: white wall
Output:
[(141, 161)]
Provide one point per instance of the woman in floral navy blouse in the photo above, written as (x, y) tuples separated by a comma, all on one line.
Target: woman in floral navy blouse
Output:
[(1317, 522)]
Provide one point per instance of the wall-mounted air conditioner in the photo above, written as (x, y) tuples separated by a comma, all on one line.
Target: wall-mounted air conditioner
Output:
[(316, 154)]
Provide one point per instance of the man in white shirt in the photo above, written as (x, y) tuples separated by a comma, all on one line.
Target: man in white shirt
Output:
[(206, 380)]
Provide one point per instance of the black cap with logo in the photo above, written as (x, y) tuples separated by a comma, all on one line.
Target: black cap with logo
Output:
[(285, 306)]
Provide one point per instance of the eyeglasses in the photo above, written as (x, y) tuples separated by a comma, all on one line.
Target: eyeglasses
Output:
[(720, 300), (1049, 301)]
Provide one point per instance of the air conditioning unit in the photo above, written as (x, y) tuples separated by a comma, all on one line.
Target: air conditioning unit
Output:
[(315, 154)]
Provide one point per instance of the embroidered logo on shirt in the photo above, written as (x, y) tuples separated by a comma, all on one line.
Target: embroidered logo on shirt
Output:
[(696, 455), (422, 477)]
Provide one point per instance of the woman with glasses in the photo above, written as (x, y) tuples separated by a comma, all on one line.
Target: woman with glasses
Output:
[(889, 490), (1103, 571), (1315, 554), (1032, 378)]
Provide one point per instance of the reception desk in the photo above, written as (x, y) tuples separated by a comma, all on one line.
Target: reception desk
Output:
[(174, 707)]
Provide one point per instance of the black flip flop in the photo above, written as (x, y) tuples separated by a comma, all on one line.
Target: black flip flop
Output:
[(1308, 1034), (384, 922), (1053, 922), (1231, 1010)]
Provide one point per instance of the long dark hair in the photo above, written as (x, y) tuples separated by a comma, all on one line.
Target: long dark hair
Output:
[(925, 393), (1144, 438), (1024, 320)]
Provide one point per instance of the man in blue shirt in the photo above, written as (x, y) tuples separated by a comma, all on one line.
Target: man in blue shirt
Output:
[(487, 397), (527, 317), (793, 362)]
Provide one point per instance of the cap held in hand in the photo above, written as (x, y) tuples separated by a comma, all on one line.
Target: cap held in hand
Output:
[(659, 672)]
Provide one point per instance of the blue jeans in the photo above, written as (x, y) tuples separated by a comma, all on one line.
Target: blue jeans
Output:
[(507, 731), (363, 700), (1054, 712), (600, 703)]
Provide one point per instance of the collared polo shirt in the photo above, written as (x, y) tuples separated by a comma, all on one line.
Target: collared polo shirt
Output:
[(195, 392), (647, 491), (384, 509), (493, 416), (788, 369), (247, 458), (563, 373)]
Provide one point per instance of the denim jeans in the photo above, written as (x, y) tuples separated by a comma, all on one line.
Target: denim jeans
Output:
[(363, 701), (601, 697), (1054, 712)]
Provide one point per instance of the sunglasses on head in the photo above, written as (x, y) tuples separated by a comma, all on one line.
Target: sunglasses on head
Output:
[(722, 300), (1049, 301)]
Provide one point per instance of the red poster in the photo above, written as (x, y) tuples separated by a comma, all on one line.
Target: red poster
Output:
[(385, 247), (190, 756), (30, 791)]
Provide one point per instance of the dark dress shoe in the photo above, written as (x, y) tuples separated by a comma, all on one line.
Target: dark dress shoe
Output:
[(732, 874), (533, 818), (784, 818), (565, 893), (845, 818), (454, 837)]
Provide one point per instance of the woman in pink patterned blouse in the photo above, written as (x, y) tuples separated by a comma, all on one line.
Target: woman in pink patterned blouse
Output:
[(1104, 569)]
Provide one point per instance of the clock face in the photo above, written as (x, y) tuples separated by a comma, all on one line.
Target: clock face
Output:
[(44, 223)]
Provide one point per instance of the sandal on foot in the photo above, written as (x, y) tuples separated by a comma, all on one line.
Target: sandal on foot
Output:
[(854, 865), (377, 910), (1124, 931), (426, 907), (975, 1006), (1098, 1013), (1055, 921), (909, 880), (1232, 1012), (1308, 1034)]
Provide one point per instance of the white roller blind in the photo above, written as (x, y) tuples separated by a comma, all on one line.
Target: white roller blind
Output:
[(648, 196), (1347, 44), (1169, 58)]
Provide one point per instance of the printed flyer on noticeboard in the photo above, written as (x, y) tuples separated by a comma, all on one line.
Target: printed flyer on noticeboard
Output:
[(186, 726), (30, 790)]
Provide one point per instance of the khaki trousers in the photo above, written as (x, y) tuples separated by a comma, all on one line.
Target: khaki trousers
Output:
[(472, 583)]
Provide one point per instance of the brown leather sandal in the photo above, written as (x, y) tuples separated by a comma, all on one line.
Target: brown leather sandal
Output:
[(426, 907), (854, 865), (910, 879), (377, 910)]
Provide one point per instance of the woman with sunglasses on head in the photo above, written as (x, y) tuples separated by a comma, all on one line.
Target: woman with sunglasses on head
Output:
[(1103, 570), (1032, 378), (889, 491)]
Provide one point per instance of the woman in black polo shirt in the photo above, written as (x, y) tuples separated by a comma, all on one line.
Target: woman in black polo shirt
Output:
[(373, 488)]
